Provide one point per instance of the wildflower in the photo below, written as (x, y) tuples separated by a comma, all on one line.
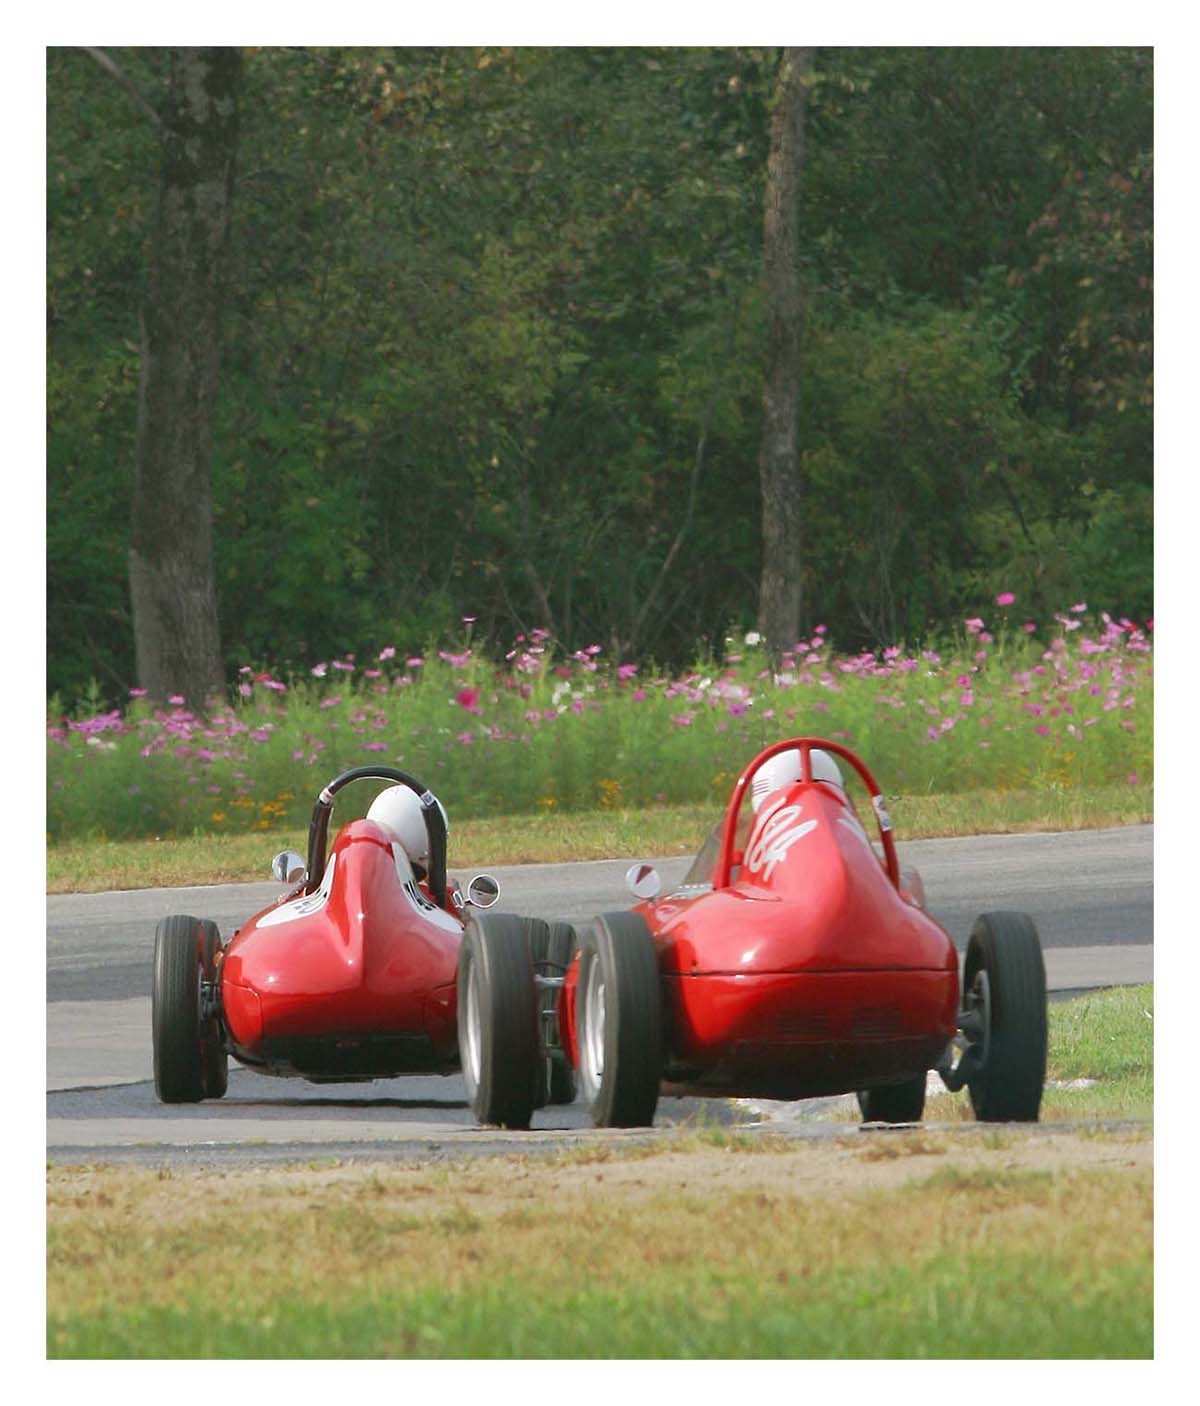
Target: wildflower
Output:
[(176, 699), (638, 695), (415, 662), (1080, 608), (137, 693), (626, 671), (318, 671), (1005, 598), (375, 746), (468, 698), (1029, 627), (466, 738), (469, 619), (974, 625), (753, 637), (388, 653)]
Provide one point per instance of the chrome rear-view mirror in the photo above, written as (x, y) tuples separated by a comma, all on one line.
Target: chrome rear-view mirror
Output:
[(483, 891), (642, 881), (288, 866)]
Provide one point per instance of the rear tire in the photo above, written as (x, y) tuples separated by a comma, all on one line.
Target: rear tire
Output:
[(1004, 977), (497, 1020), (619, 1022), (179, 947), (894, 1103)]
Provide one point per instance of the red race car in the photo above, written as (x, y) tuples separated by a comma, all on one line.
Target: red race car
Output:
[(349, 975), (793, 961)]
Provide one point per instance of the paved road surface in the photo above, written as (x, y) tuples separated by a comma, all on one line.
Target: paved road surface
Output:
[(1090, 893)]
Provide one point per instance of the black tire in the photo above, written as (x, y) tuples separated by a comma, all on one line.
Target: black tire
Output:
[(1004, 978), (619, 1022), (213, 1056), (552, 946), (894, 1103), (497, 1020), (175, 1016)]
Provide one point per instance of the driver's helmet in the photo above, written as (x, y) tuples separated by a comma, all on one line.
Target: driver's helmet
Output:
[(399, 810), (784, 768)]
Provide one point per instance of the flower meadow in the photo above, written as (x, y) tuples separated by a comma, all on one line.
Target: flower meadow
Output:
[(1004, 703)]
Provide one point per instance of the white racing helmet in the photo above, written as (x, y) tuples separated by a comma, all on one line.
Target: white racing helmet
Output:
[(399, 810), (784, 768)]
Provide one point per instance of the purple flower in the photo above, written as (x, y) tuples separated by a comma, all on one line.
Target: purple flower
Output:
[(1005, 598)]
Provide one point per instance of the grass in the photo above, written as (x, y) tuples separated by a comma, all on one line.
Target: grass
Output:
[(820, 1253), (93, 866)]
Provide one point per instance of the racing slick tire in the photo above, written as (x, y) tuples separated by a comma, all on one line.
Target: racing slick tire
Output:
[(497, 1020), (894, 1103), (618, 1017), (180, 946), (553, 945), (1004, 981), (215, 1058)]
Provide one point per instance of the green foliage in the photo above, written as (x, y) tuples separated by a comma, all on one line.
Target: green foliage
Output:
[(494, 338)]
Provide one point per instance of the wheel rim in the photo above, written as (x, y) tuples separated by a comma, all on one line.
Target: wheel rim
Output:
[(591, 1043), (474, 1041)]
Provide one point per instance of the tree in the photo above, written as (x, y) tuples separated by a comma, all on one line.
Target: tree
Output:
[(171, 580), (779, 593)]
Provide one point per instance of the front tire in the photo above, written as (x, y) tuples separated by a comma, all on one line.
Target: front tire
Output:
[(1004, 984), (894, 1103), (497, 1020), (179, 952), (619, 1022)]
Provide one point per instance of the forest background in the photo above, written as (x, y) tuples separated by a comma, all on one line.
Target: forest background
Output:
[(494, 343)]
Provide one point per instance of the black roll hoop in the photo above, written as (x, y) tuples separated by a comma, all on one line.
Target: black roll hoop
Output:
[(435, 824)]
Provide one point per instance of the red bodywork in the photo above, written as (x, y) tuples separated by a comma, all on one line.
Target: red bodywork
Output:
[(801, 965), (355, 980)]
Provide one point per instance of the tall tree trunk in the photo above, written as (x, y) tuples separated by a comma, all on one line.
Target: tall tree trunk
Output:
[(171, 578), (779, 592)]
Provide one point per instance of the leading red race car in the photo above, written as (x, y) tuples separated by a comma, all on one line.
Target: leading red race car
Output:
[(792, 963), (350, 975)]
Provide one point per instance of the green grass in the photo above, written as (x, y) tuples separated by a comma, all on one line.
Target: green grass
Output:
[(985, 1261), (94, 866)]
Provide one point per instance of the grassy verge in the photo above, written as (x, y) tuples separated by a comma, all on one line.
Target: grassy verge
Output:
[(92, 866), (1041, 1248)]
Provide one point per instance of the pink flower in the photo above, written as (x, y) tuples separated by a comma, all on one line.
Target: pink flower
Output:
[(415, 662), (638, 695), (1005, 598), (681, 719), (1080, 608), (1043, 730), (318, 671), (343, 665), (176, 699), (137, 693), (626, 671), (974, 625), (375, 746), (984, 637), (466, 738), (469, 619), (1029, 627), (467, 698), (388, 653), (1132, 778)]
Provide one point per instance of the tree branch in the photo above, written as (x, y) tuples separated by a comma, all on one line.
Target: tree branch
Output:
[(111, 67)]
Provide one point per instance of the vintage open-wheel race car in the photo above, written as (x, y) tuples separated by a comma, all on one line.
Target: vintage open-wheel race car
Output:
[(795, 960), (350, 975)]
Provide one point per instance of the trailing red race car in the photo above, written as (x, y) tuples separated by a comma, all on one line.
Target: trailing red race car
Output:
[(793, 961), (349, 975)]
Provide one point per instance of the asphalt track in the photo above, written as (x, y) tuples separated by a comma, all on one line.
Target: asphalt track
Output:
[(1090, 893)]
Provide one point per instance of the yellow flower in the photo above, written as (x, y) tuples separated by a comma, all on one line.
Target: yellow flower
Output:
[(218, 815), (547, 802)]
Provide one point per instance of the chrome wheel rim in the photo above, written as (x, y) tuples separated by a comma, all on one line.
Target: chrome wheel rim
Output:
[(473, 1041), (591, 1045)]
